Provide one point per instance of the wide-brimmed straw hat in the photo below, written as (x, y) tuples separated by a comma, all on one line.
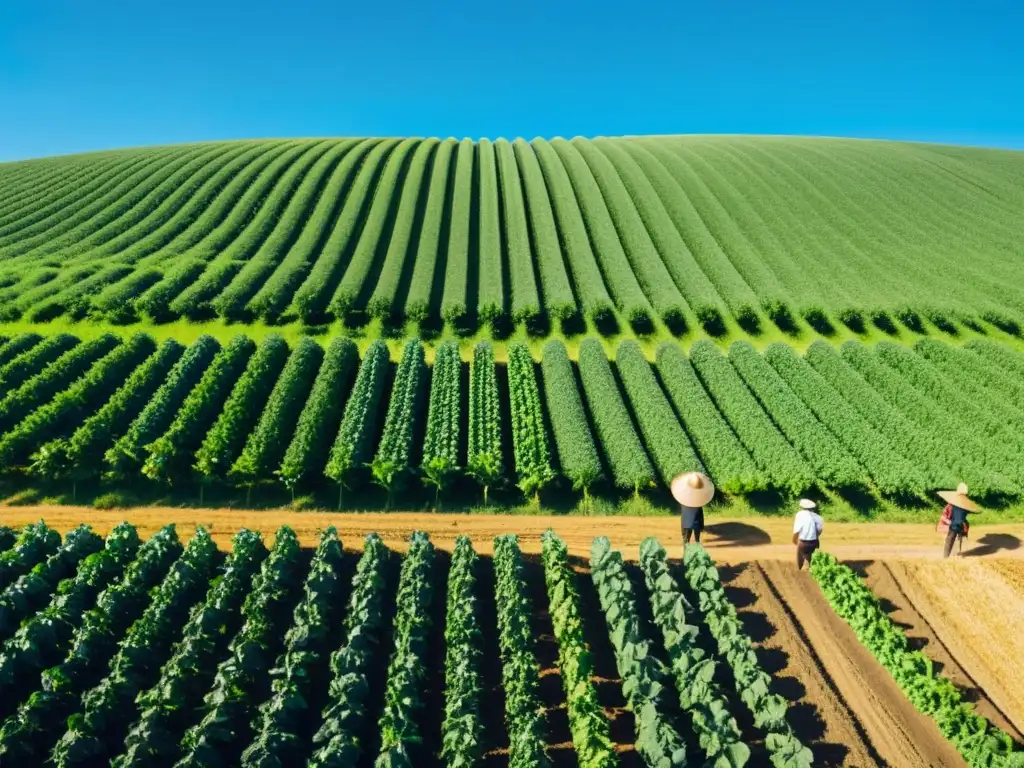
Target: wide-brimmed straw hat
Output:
[(807, 504), (958, 498), (693, 489)]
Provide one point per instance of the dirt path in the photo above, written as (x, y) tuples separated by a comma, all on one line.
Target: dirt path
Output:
[(900, 597), (820, 716), (899, 734), (729, 540), (978, 616)]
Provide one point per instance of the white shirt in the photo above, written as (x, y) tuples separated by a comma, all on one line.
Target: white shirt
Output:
[(808, 524)]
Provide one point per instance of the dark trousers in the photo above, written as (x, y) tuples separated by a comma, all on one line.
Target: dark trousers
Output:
[(688, 532), (951, 537), (804, 550)]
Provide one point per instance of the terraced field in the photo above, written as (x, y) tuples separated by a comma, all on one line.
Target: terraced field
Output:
[(721, 234)]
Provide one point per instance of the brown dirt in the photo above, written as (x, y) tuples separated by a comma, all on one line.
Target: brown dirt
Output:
[(980, 618), (900, 735), (734, 540), (818, 713), (900, 597)]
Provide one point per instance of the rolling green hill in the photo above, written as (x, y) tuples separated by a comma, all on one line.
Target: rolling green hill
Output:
[(727, 234)]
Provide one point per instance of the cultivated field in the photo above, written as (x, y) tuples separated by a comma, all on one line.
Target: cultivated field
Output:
[(463, 645), (265, 416), (726, 234)]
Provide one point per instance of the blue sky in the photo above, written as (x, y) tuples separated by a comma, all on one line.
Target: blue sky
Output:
[(80, 75)]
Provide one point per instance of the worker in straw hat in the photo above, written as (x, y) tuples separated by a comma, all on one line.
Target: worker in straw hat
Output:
[(692, 490), (954, 516), (807, 527)]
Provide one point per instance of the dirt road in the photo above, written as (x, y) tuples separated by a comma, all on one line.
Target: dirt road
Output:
[(732, 540)]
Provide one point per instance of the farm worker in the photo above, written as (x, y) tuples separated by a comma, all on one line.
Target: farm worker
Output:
[(692, 490), (954, 516), (807, 528)]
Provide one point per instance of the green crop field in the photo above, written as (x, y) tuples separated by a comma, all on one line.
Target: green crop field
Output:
[(721, 235), (527, 323)]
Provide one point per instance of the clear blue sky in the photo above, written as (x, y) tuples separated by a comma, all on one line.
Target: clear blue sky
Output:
[(77, 75)]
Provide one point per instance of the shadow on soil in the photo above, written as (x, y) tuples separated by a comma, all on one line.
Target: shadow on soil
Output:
[(804, 717)]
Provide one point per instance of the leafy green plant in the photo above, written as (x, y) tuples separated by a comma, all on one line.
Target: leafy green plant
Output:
[(644, 677), (484, 459), (339, 742), (399, 730), (699, 696), (441, 442), (392, 460), (462, 728), (529, 433), (589, 726), (752, 682), (520, 673), (241, 679), (165, 708), (282, 722)]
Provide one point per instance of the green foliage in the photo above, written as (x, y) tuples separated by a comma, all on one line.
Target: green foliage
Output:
[(403, 698), (126, 455), (589, 726), (577, 453), (462, 728), (41, 641), (729, 463), (520, 673), (890, 470), (32, 590), (282, 719), (170, 456), (84, 451), (752, 682), (241, 680), (318, 423), (28, 735), (627, 459), (338, 743), (832, 463), (56, 376), (61, 415), (241, 412), (978, 741), (34, 544), (699, 695), (529, 434), (166, 707), (108, 707), (394, 453), (24, 366), (664, 437), (272, 435), (354, 441), (484, 456), (644, 678), (444, 417)]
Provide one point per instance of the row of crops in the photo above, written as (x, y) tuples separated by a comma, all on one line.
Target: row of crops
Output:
[(900, 421), (718, 233), (163, 653)]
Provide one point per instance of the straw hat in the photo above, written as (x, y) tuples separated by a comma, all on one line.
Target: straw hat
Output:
[(693, 489), (807, 504), (958, 498)]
